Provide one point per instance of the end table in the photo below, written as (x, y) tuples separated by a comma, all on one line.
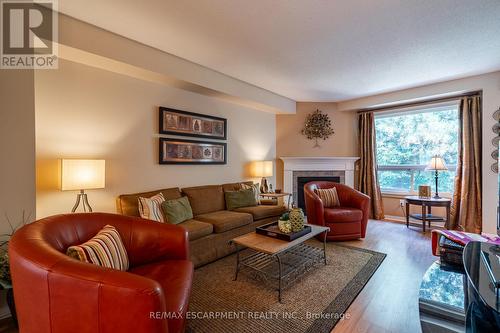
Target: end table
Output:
[(278, 195), (426, 204)]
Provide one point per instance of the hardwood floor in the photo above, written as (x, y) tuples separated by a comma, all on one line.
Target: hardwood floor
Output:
[(389, 302)]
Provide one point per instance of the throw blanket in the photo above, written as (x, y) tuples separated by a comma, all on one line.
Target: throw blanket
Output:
[(461, 238)]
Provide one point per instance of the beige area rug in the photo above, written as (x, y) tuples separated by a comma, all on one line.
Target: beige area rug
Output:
[(314, 303)]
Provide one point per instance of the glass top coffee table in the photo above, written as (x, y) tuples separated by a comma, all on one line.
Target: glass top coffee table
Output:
[(276, 261)]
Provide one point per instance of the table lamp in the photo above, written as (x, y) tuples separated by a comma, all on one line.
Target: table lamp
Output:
[(82, 175), (436, 164), (262, 169)]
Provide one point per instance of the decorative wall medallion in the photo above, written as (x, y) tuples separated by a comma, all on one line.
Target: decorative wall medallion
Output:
[(494, 154), (317, 126), (495, 141)]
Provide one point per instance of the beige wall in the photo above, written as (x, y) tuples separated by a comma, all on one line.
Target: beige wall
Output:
[(17, 145), (490, 85), (85, 112), (290, 142)]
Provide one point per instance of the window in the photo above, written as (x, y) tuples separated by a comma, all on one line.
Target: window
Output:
[(406, 141)]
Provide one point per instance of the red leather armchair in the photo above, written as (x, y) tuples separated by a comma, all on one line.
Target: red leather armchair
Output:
[(55, 293), (346, 222)]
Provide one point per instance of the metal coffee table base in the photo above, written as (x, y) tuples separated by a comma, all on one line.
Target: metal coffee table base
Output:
[(282, 268)]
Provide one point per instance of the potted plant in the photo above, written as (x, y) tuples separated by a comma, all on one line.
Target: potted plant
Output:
[(5, 278), (284, 223)]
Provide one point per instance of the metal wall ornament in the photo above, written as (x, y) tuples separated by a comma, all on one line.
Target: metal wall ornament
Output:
[(496, 140), (317, 126)]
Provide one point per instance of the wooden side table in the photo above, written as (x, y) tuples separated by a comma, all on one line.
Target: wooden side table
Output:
[(278, 195), (427, 204)]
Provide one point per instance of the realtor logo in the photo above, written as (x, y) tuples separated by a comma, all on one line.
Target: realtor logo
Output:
[(29, 34)]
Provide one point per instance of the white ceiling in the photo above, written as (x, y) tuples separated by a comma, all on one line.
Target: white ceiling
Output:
[(314, 50)]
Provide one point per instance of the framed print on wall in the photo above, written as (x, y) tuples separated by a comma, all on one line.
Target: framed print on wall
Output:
[(179, 151), (177, 122)]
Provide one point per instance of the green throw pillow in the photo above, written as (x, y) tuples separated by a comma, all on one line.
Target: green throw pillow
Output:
[(241, 198), (177, 210)]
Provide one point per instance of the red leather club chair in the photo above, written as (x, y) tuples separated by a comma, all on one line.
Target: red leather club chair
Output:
[(346, 222), (55, 293)]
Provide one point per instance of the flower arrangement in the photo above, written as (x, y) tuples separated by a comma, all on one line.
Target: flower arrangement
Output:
[(317, 126), (5, 279)]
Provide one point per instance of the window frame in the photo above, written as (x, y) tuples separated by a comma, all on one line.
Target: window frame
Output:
[(412, 168)]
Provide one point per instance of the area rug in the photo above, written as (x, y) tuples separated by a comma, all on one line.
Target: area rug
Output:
[(314, 303)]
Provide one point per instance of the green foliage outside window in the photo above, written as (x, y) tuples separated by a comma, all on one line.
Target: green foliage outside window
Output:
[(406, 142)]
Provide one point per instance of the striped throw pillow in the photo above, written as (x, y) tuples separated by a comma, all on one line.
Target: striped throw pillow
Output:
[(104, 249), (150, 208), (329, 197)]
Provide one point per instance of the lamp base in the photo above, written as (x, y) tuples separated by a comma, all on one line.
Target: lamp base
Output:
[(82, 197), (436, 197), (264, 188)]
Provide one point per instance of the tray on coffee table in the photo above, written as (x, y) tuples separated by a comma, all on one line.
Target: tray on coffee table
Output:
[(272, 230)]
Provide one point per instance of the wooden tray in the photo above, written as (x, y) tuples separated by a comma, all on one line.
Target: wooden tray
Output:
[(272, 230)]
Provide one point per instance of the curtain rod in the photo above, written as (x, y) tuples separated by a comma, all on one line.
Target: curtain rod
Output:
[(422, 102)]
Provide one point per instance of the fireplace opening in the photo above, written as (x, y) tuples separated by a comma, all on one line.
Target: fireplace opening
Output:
[(301, 181)]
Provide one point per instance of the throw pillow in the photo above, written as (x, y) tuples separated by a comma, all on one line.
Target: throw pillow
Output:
[(255, 188), (104, 249), (329, 197), (150, 208), (241, 198), (177, 210)]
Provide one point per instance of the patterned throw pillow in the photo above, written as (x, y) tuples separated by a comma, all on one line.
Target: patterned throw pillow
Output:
[(104, 249), (255, 188), (150, 208), (329, 197)]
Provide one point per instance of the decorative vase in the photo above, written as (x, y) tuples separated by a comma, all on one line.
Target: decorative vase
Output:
[(296, 219), (285, 226)]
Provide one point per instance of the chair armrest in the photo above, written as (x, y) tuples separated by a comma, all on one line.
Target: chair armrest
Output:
[(154, 241), (314, 207), (353, 198)]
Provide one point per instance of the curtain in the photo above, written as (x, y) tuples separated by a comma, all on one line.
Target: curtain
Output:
[(467, 204), (367, 177)]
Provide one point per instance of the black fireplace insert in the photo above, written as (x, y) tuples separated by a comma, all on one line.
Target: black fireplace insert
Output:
[(301, 181)]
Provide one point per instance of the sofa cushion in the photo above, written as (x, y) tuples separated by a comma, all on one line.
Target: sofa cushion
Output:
[(263, 211), (241, 198), (197, 229), (150, 208), (127, 204), (177, 210), (328, 196), (225, 220), (175, 278), (104, 249), (205, 199), (234, 186), (343, 214)]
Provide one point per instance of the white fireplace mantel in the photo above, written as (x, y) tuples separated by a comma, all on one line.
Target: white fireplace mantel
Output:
[(292, 164)]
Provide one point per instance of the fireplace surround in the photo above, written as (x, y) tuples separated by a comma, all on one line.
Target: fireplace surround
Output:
[(333, 167)]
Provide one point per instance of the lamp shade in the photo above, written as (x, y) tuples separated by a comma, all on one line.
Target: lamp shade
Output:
[(262, 169), (82, 174), (436, 163)]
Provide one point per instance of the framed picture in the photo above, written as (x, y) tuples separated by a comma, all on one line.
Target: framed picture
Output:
[(178, 122), (179, 151)]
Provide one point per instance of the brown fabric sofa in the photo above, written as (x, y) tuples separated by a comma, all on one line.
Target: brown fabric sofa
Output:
[(213, 226)]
